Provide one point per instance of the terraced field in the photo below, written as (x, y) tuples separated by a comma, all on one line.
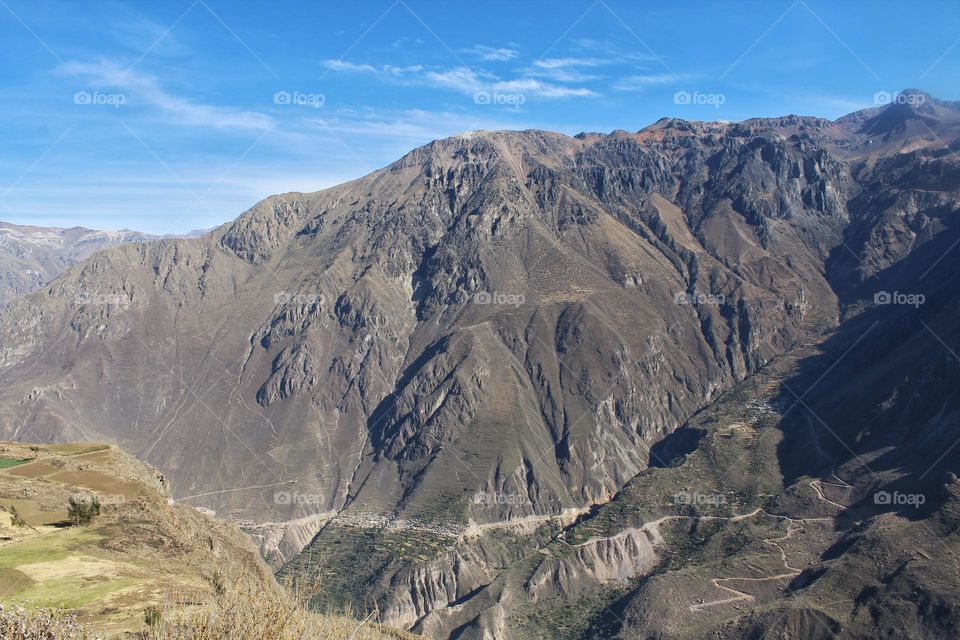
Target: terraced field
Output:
[(139, 552)]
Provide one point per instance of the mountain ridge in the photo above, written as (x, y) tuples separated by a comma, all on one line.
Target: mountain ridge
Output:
[(31, 256)]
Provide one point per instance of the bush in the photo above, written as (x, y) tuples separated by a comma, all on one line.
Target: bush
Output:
[(151, 617), (82, 512), (16, 519)]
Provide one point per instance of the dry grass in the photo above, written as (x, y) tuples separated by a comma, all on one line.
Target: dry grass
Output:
[(17, 623), (246, 612), (251, 613)]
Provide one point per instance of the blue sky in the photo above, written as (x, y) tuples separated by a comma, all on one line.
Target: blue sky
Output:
[(177, 115)]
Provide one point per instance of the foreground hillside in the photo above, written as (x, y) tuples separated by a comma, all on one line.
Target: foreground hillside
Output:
[(695, 381), (139, 553)]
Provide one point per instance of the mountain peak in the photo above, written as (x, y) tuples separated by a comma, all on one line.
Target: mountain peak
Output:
[(903, 111)]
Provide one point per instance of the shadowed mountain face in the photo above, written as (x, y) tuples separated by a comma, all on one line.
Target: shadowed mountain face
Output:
[(510, 326)]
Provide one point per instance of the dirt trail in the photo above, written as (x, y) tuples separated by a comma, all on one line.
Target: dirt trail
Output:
[(793, 525), (818, 487), (474, 529)]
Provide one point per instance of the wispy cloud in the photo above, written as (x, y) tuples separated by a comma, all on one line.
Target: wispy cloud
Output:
[(468, 81), (464, 80), (611, 51), (407, 125), (341, 65), (559, 63), (492, 54), (566, 70), (387, 69), (142, 89), (642, 82)]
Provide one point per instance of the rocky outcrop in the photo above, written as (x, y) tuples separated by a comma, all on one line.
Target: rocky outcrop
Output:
[(604, 563), (433, 586)]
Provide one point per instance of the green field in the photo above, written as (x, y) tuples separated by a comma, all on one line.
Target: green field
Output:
[(6, 463)]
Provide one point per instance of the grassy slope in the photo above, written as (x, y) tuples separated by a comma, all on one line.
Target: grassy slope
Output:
[(140, 552)]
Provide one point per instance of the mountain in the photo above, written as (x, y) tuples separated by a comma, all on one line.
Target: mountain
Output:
[(31, 256), (519, 385)]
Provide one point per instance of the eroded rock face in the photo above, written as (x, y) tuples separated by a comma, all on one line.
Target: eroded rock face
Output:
[(604, 562), (31, 256), (433, 586), (525, 310)]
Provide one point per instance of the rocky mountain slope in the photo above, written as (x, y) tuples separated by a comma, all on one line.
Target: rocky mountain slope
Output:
[(472, 387), (31, 256)]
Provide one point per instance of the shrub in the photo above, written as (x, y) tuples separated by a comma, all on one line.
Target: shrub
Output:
[(151, 617), (82, 512), (15, 518)]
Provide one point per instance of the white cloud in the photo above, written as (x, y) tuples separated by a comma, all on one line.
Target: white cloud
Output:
[(492, 54), (408, 126), (565, 69), (465, 80), (142, 89), (388, 69), (559, 63), (341, 65), (611, 51), (468, 81)]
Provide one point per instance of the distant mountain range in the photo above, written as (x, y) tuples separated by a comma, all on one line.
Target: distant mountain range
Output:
[(32, 256), (696, 381)]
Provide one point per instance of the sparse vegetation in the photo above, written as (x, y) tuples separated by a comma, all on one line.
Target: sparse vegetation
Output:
[(216, 582), (141, 569), (250, 613), (16, 519), (151, 617), (244, 613), (17, 623)]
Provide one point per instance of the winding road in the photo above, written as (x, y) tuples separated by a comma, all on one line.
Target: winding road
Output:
[(793, 525)]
